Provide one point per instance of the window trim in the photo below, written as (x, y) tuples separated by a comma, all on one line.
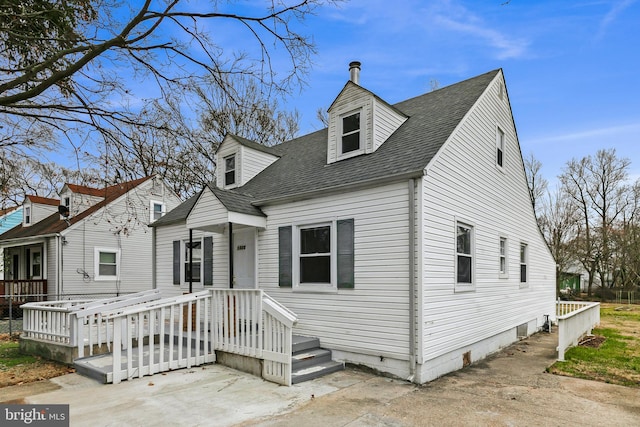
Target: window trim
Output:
[(500, 147), (464, 286), (96, 263), (27, 215), (32, 256), (332, 286), (503, 274), (152, 205), (524, 263), (341, 135), (183, 261), (234, 170)]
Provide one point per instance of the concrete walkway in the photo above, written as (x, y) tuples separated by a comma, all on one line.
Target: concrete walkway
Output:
[(509, 389)]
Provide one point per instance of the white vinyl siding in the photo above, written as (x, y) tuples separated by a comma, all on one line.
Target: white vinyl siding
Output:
[(208, 211), (459, 185), (248, 161), (165, 236), (373, 315), (100, 230), (377, 121)]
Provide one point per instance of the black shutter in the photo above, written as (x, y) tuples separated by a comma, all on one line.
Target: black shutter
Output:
[(208, 261), (285, 253), (345, 254), (176, 262)]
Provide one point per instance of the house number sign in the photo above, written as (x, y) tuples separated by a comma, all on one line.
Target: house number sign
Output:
[(241, 247)]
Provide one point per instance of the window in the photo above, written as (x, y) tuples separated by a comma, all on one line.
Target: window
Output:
[(523, 263), (230, 170), (464, 257), (503, 256), (196, 249), (500, 148), (67, 201), (157, 209), (27, 215), (202, 261), (350, 133), (315, 255), (107, 264), (36, 264)]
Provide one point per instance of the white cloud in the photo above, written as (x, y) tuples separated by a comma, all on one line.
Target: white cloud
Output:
[(612, 15), (607, 132)]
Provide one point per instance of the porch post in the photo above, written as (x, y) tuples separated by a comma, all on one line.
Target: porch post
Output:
[(230, 255), (191, 260)]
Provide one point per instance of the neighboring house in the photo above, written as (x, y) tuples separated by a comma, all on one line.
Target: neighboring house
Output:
[(91, 241), (9, 218), (403, 236)]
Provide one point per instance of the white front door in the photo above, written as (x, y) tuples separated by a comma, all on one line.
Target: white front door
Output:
[(244, 259)]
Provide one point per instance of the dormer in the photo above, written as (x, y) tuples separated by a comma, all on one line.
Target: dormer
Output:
[(238, 160), (36, 208), (76, 198), (359, 121)]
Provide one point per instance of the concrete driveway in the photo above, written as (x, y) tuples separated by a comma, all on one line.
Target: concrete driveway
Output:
[(509, 389)]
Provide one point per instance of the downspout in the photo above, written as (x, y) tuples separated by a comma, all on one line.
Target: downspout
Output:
[(412, 284), (230, 255), (154, 285)]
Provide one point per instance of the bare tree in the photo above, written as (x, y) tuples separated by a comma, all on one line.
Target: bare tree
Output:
[(596, 186), (536, 182), (80, 70), (558, 219)]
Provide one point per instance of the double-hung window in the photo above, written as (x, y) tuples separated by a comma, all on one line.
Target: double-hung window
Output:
[(230, 170), (192, 252), (317, 257), (503, 256), (27, 215), (157, 209), (350, 133), (315, 254), (523, 264), (464, 254), (107, 264)]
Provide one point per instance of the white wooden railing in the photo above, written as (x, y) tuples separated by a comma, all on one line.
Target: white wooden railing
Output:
[(575, 319), (244, 322), (57, 321)]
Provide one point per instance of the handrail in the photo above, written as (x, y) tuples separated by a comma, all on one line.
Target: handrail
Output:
[(164, 302), (279, 311), (101, 306)]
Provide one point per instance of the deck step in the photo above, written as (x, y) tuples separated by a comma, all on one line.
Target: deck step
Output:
[(316, 371), (310, 361)]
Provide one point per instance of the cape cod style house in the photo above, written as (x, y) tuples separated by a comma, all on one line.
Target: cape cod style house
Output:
[(90, 242), (402, 236)]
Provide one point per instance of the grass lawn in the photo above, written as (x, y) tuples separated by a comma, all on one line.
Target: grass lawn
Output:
[(614, 356), (18, 368)]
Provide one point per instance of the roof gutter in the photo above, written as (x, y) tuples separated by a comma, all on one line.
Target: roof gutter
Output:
[(28, 239), (372, 182)]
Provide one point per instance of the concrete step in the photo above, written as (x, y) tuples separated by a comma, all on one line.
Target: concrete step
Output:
[(310, 360), (307, 358), (316, 371), (302, 343)]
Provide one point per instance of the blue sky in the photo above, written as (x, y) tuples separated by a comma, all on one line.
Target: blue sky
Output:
[(572, 67)]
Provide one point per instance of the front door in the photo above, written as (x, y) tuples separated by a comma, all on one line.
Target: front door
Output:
[(244, 259)]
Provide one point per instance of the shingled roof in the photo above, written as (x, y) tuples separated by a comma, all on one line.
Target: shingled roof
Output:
[(302, 169), (53, 224)]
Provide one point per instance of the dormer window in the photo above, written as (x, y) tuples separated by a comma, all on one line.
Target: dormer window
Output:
[(350, 133), (230, 170), (27, 215), (67, 201)]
